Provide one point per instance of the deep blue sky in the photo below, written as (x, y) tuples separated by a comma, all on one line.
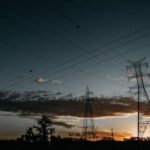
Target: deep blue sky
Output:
[(77, 42)]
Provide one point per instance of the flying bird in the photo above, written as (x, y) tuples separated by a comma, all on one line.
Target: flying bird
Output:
[(30, 70), (77, 26)]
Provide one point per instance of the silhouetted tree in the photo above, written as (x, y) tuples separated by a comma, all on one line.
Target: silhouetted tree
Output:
[(29, 136), (42, 132), (44, 128)]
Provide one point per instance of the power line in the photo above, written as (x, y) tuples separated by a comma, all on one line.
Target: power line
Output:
[(139, 37), (38, 54), (129, 51), (104, 52)]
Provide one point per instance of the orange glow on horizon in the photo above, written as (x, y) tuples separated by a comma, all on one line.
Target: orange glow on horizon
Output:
[(118, 136)]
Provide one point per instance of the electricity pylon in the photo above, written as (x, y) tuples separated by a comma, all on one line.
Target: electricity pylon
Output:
[(141, 90), (88, 122)]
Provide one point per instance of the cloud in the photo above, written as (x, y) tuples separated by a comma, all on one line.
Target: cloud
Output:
[(33, 102), (41, 80), (57, 81), (63, 124), (120, 78), (38, 116)]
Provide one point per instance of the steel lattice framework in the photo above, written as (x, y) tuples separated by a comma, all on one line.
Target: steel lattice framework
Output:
[(88, 122), (141, 91)]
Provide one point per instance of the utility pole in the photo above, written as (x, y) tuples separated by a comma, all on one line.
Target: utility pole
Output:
[(112, 133), (88, 122), (141, 91)]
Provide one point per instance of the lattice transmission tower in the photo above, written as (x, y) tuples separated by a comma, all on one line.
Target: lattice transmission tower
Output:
[(140, 88), (89, 131)]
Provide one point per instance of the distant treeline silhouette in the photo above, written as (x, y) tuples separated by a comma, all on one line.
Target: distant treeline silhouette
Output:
[(58, 143)]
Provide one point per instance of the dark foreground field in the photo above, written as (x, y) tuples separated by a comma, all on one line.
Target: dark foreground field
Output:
[(69, 144)]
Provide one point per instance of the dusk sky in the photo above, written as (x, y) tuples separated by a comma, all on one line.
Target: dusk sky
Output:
[(75, 42), (65, 45)]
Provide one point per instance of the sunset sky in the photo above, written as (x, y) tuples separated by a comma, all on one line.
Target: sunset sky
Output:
[(65, 45)]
